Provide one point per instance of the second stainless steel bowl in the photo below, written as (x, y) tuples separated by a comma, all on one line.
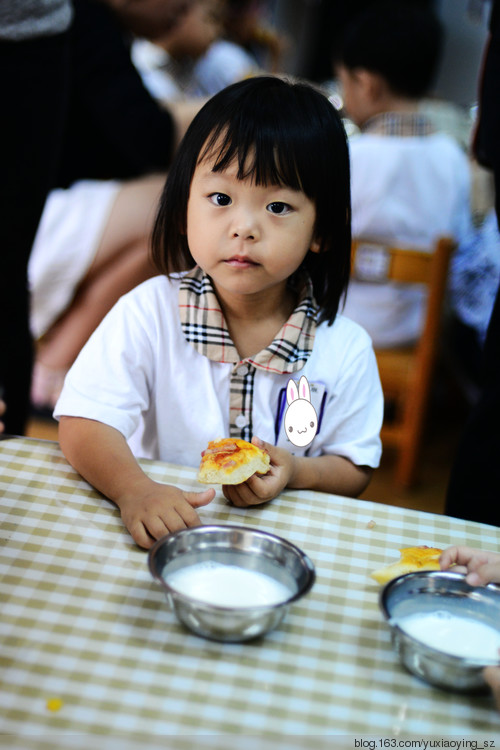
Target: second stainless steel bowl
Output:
[(428, 592)]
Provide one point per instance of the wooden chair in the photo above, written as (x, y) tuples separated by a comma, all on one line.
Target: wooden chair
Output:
[(406, 372)]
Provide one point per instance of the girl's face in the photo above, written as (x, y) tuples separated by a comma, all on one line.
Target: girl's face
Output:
[(248, 238)]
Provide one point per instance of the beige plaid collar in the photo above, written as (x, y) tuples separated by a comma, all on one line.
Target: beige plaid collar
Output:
[(399, 123), (204, 326)]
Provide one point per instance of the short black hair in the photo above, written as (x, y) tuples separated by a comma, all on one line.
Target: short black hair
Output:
[(401, 41), (295, 138)]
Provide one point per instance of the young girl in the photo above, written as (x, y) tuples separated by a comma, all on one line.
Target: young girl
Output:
[(256, 210)]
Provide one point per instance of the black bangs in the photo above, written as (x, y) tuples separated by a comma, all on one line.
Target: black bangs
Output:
[(257, 155), (267, 136)]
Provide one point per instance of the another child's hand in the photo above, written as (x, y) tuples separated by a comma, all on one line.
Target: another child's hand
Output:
[(159, 509), (261, 488), (480, 567), (492, 677)]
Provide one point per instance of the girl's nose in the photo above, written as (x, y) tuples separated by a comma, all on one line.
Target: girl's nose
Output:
[(244, 234), (245, 228)]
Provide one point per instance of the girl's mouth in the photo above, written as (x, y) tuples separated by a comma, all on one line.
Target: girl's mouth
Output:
[(240, 261)]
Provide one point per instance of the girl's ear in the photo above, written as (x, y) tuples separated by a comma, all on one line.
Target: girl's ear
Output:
[(315, 246)]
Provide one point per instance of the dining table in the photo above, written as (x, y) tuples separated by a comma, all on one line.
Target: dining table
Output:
[(90, 647)]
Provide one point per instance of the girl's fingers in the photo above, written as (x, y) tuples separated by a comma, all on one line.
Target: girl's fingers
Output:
[(197, 499)]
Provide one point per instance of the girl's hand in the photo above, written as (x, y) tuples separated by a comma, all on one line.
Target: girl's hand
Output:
[(480, 567), (261, 488), (149, 509), (2, 411), (159, 509)]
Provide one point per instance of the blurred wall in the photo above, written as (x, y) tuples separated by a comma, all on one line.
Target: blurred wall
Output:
[(298, 19), (466, 24)]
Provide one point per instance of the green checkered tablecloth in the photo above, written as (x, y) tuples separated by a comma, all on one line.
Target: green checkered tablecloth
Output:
[(89, 645)]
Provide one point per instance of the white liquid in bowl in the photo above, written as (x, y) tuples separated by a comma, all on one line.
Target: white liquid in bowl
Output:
[(453, 634), (227, 585)]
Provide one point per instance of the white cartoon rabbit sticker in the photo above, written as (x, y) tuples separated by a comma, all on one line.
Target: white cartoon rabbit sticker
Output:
[(301, 420)]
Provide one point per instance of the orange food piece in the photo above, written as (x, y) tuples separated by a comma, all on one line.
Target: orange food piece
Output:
[(231, 461), (412, 559)]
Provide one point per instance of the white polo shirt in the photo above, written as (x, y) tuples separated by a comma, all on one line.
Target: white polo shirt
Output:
[(139, 374), (408, 186)]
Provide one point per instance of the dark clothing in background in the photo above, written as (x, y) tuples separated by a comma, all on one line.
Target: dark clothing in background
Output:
[(474, 487), (114, 129), (34, 99)]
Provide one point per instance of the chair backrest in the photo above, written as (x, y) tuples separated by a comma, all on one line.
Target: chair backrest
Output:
[(406, 372)]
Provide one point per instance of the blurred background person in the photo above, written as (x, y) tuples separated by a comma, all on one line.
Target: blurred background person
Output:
[(203, 54), (114, 128), (168, 63), (474, 280), (409, 184), (74, 107), (92, 246), (247, 23)]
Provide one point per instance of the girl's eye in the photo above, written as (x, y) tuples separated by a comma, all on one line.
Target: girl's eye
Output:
[(220, 199), (278, 208)]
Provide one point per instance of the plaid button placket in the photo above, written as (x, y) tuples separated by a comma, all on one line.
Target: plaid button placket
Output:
[(241, 401)]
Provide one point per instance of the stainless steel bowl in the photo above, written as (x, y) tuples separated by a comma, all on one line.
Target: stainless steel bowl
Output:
[(428, 592), (232, 545)]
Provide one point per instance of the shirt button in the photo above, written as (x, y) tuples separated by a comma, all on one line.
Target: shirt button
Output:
[(241, 421), (242, 370)]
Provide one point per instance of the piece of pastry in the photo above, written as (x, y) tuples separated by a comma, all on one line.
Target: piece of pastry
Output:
[(412, 559), (231, 461)]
